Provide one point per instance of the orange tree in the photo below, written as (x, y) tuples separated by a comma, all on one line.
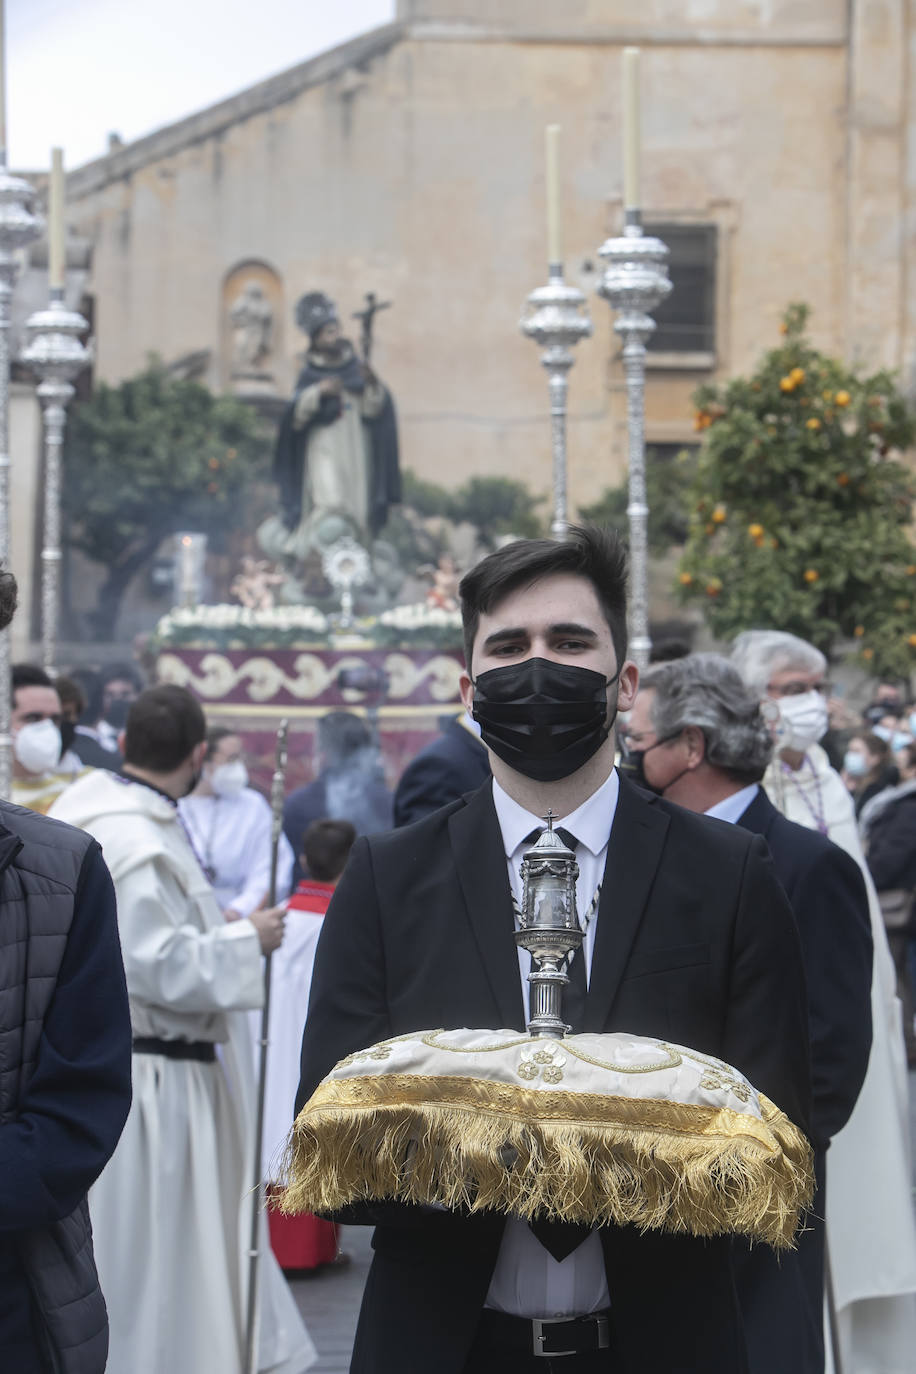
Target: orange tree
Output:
[(800, 515)]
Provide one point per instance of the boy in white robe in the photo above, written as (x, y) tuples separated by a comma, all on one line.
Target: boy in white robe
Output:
[(172, 1209)]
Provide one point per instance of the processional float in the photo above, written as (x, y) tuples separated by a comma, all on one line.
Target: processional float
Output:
[(592, 1129)]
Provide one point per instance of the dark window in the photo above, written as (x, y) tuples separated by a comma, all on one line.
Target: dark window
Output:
[(686, 321)]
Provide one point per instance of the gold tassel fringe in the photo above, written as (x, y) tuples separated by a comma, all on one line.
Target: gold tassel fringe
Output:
[(661, 1166)]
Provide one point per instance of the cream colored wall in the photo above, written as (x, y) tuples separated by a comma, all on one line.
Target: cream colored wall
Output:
[(421, 179)]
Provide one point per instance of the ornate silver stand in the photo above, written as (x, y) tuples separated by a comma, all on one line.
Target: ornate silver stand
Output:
[(18, 227), (634, 282), (56, 355), (549, 927), (346, 565), (555, 321)]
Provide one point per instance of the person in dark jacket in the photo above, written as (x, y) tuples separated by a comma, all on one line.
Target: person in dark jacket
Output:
[(350, 785), (888, 824), (451, 765), (698, 738), (65, 1054)]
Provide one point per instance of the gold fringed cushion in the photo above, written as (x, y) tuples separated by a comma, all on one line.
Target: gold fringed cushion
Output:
[(592, 1128)]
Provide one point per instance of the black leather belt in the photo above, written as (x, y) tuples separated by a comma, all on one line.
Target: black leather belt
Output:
[(547, 1336), (202, 1050)]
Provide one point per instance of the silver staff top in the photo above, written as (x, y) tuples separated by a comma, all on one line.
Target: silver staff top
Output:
[(549, 927)]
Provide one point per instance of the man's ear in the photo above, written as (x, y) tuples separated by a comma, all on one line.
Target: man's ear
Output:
[(198, 756), (627, 685), (695, 741), (466, 688)]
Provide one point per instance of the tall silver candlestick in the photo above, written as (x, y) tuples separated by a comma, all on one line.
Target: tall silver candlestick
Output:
[(634, 282), (18, 227), (56, 355), (556, 322), (548, 927)]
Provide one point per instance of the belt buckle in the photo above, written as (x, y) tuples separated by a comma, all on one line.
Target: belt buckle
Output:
[(539, 1335)]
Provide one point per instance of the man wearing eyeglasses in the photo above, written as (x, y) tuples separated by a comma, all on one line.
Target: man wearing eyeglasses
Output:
[(870, 1229)]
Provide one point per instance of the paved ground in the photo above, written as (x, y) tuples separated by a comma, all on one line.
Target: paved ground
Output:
[(329, 1300)]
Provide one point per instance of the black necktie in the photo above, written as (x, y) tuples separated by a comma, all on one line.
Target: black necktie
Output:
[(560, 1238)]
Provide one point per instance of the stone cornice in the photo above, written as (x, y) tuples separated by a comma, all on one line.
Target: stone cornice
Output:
[(266, 95)]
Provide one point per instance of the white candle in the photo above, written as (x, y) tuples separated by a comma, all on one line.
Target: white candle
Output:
[(56, 194), (631, 129), (552, 150)]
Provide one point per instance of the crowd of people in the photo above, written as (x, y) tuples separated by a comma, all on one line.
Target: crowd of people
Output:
[(747, 853)]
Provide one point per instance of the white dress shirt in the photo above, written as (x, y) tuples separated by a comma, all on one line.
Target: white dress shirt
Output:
[(527, 1280), (732, 808)]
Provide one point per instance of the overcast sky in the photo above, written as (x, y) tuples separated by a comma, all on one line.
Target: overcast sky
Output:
[(78, 70)]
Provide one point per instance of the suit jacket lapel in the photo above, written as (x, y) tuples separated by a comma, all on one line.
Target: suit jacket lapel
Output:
[(633, 856), (480, 862)]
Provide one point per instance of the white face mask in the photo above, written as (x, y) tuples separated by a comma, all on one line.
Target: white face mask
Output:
[(803, 721), (229, 779), (37, 746), (855, 764)]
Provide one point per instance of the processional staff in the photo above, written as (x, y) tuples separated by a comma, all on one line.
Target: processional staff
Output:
[(277, 793)]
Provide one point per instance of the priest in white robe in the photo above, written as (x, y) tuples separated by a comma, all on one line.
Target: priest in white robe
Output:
[(171, 1212), (871, 1231)]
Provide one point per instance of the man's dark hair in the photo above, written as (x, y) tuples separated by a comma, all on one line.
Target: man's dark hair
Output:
[(325, 846), (341, 736), (164, 725), (27, 675), (588, 551), (9, 598), (121, 672), (71, 693), (215, 736)]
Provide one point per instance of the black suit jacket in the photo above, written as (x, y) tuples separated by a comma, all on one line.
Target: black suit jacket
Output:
[(782, 1299), (695, 943), (455, 763)]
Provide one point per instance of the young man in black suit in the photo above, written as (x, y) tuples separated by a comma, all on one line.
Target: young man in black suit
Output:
[(697, 737), (690, 939)]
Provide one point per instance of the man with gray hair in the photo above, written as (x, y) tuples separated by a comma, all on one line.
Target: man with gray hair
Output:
[(872, 1229), (697, 736)]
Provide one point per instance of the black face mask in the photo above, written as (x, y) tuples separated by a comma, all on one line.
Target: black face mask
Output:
[(543, 719), (116, 712), (631, 766)]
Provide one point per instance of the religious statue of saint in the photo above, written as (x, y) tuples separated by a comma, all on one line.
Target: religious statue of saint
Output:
[(252, 321), (336, 460)]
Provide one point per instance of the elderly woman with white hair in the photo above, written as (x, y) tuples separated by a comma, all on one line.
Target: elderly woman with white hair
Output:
[(871, 1232)]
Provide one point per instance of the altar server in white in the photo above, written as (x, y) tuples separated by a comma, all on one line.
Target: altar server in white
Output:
[(871, 1233), (171, 1211), (228, 824)]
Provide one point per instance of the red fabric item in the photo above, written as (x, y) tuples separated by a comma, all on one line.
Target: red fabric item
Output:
[(302, 1242), (310, 895)]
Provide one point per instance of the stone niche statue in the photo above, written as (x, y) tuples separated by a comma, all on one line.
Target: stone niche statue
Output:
[(252, 321), (336, 459)]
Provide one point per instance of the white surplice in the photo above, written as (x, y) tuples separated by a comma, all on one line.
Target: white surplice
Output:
[(172, 1210), (871, 1233), (231, 837)]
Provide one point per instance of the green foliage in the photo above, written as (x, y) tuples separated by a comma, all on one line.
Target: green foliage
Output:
[(668, 481), (147, 458), (494, 505), (799, 516)]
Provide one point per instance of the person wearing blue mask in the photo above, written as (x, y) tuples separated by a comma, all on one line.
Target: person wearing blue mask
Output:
[(868, 766)]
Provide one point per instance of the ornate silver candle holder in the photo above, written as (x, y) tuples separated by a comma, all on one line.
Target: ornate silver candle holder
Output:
[(549, 927), (555, 321), (56, 355), (18, 227), (635, 281)]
